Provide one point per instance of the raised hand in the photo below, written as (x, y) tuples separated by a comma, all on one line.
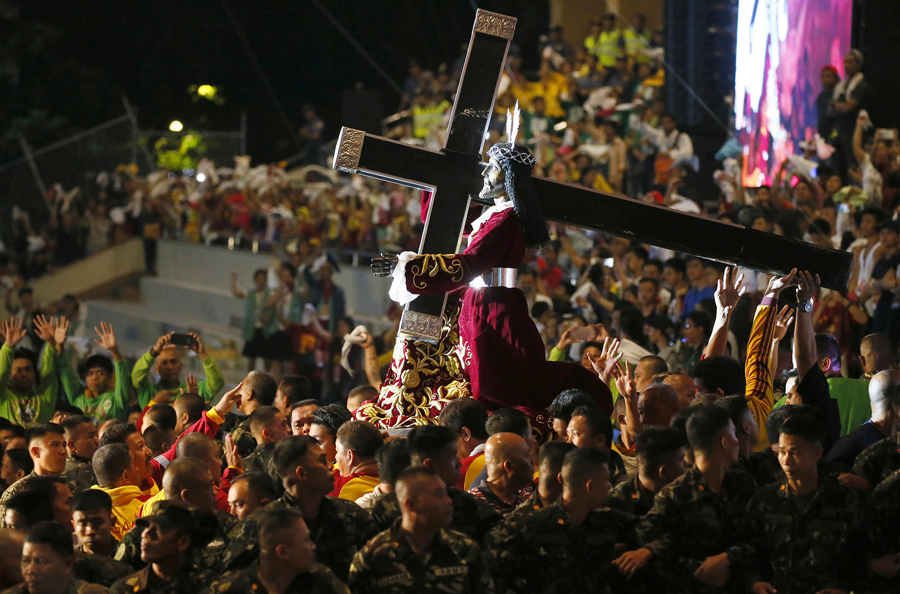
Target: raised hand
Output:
[(229, 400), (778, 284), (783, 320), (60, 330), (232, 457), (625, 384), (107, 338), (191, 384), (807, 286), (161, 343), (197, 346), (606, 362), (384, 265), (43, 327), (729, 289), (14, 332)]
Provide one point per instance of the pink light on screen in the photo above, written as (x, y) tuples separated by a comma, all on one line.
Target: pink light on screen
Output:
[(782, 46)]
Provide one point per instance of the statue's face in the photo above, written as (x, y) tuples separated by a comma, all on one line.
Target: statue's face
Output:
[(494, 181)]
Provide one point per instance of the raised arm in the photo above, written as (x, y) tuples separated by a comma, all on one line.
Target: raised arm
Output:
[(234, 287), (804, 336), (107, 340), (729, 289), (214, 381), (858, 151)]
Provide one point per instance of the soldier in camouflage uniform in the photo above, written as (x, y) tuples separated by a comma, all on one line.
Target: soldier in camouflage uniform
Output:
[(47, 563), (268, 426), (81, 443), (881, 515), (164, 546), (569, 545), (286, 557), (96, 569), (92, 520), (52, 460), (259, 460), (418, 554), (434, 447), (660, 460), (338, 527), (549, 487), (878, 461), (694, 520), (802, 534)]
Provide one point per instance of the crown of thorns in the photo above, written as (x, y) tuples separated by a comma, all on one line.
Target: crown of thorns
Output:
[(513, 154)]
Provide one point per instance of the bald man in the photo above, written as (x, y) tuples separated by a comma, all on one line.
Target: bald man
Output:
[(166, 358), (455, 562), (884, 386), (684, 387), (657, 404), (11, 543), (510, 472)]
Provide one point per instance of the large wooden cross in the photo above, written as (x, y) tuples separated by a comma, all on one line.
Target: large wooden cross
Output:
[(454, 176)]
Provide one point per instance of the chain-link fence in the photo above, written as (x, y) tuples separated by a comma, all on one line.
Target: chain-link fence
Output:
[(73, 161)]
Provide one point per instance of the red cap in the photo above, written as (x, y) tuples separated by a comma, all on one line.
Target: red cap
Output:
[(831, 69)]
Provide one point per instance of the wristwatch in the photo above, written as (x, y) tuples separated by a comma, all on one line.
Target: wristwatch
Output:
[(806, 306)]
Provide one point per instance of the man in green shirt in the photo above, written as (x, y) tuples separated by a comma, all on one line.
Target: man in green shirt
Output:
[(169, 367), (98, 399), (21, 400)]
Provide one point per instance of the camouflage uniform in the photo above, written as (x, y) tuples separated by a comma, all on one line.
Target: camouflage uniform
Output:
[(485, 493), (17, 487), (388, 565), (239, 427), (204, 558), (259, 460), (528, 507), (75, 587), (97, 569), (802, 550), (689, 522), (80, 473), (188, 581), (881, 516), (631, 497), (245, 581), (339, 530), (764, 467), (879, 460), (547, 552), (471, 516)]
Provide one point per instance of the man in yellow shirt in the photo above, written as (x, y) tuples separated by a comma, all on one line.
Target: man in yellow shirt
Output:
[(120, 478)]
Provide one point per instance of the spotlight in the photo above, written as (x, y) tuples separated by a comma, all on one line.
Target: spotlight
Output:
[(176, 126)]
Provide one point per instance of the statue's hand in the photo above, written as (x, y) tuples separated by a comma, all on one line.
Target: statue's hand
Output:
[(384, 265)]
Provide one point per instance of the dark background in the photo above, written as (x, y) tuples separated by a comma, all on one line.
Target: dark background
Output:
[(76, 59)]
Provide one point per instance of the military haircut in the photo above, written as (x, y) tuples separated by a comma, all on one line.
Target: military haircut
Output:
[(259, 483), (42, 429), (508, 420), (261, 418), (567, 401), (657, 445), (16, 430), (91, 500), (297, 388), (155, 437), (580, 463), (275, 527), (33, 507), (655, 364), (117, 432), (426, 441), (263, 385), (73, 423), (162, 415), (736, 406), (368, 392), (360, 437), (597, 420), (184, 474), (109, 462), (705, 425), (289, 452), (805, 427), (465, 413), (193, 445), (192, 405), (776, 419), (553, 453), (53, 535), (392, 458), (721, 373), (306, 402), (409, 477), (680, 419), (20, 460), (828, 347), (331, 417)]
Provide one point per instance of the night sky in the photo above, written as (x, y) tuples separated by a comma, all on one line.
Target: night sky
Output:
[(77, 58)]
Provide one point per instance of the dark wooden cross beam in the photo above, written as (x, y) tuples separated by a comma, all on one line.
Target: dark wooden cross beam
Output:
[(458, 176)]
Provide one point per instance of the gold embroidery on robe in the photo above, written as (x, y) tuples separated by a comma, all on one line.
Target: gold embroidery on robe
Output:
[(430, 265)]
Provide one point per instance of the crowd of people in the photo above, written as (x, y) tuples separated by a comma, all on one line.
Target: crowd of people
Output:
[(734, 460)]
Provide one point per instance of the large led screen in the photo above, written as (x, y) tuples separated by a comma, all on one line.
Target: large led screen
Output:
[(782, 46)]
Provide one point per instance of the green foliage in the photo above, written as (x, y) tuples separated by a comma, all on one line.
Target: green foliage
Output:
[(180, 152)]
